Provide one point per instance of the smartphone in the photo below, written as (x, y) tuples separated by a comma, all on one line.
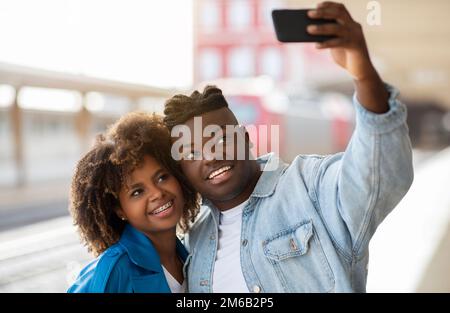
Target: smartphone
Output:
[(290, 26)]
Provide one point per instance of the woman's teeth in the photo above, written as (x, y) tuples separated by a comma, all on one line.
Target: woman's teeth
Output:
[(163, 208), (219, 171)]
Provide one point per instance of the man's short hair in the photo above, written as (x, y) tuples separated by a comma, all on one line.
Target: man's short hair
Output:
[(180, 108)]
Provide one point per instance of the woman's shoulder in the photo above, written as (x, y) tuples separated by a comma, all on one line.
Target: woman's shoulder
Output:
[(103, 273)]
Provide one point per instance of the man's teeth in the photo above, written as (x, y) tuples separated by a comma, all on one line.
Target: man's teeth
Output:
[(219, 171), (163, 208)]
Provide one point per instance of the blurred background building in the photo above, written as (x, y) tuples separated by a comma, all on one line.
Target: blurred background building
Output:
[(70, 68)]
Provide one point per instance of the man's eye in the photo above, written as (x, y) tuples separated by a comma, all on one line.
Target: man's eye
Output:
[(222, 140), (191, 155), (227, 139)]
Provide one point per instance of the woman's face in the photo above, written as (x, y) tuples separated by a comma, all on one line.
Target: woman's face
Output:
[(151, 199)]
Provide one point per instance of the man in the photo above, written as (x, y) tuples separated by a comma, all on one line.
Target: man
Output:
[(303, 227)]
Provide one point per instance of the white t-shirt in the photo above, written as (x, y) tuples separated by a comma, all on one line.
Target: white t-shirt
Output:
[(228, 275), (174, 285)]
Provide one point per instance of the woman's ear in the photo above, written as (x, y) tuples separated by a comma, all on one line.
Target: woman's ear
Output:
[(121, 214)]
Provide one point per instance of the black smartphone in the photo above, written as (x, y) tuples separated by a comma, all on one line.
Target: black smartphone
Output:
[(290, 26)]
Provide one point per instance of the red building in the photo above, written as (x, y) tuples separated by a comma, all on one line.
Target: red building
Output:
[(235, 38)]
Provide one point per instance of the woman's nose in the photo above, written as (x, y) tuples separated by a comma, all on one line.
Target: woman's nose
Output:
[(156, 193)]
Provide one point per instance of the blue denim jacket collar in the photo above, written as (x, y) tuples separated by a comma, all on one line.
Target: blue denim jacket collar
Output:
[(268, 181), (141, 250)]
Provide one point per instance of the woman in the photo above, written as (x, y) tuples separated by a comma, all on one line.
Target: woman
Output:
[(127, 198)]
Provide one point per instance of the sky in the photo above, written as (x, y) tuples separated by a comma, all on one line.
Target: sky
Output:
[(141, 41)]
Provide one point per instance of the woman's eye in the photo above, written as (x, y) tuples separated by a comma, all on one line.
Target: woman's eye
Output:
[(136, 192), (163, 177)]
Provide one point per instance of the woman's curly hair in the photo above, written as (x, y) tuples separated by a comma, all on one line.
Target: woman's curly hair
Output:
[(101, 173)]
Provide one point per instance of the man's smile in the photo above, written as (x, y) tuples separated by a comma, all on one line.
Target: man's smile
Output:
[(220, 175)]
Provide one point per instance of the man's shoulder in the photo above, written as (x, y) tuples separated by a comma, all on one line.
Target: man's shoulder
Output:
[(203, 219), (308, 162), (311, 158)]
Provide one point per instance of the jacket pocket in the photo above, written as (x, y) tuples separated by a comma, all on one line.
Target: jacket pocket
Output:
[(289, 243), (299, 260)]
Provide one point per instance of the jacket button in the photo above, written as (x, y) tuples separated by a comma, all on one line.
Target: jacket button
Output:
[(293, 245), (244, 242), (256, 289), (212, 237), (204, 283)]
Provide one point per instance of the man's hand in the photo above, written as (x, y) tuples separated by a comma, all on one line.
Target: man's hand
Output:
[(349, 50)]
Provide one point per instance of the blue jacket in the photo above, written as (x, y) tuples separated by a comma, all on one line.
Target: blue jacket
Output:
[(131, 265), (306, 227)]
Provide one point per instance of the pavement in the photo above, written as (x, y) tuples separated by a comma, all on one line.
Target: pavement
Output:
[(42, 257), (410, 250)]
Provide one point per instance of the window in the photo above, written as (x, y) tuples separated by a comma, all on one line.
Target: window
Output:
[(265, 11), (210, 64), (239, 14), (7, 94), (49, 99), (241, 62), (271, 62), (209, 16)]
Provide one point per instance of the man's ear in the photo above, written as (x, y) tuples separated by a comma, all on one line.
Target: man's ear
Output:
[(247, 137)]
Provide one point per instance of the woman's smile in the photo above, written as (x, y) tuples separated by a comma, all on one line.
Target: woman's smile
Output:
[(163, 210)]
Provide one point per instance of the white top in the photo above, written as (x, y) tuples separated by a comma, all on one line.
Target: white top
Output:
[(174, 285), (227, 276)]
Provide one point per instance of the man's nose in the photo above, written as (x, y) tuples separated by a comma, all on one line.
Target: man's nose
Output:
[(212, 155), (209, 154)]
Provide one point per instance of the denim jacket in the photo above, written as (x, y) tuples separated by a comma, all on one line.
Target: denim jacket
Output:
[(130, 265), (307, 225)]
